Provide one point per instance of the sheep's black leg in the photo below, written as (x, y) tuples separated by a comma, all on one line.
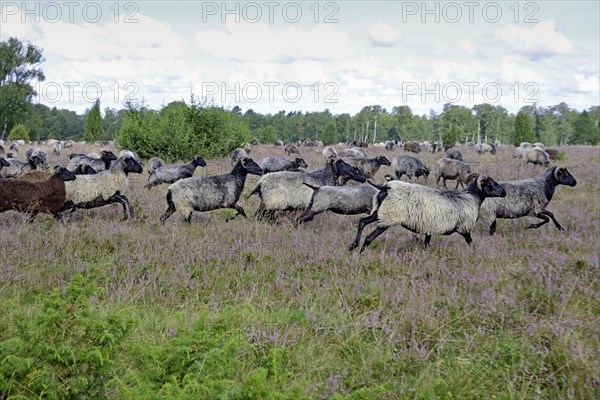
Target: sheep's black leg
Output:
[(544, 219), (117, 198), (169, 212), (378, 231), (467, 237), (493, 228), (240, 211), (361, 225), (427, 240), (188, 219), (549, 214), (306, 217), (456, 187)]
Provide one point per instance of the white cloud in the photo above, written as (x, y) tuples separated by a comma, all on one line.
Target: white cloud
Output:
[(384, 35), (512, 69), (467, 47), (542, 40)]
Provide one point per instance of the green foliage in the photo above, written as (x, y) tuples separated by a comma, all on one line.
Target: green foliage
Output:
[(584, 131), (68, 351), (267, 135), (329, 135), (179, 131), (451, 136), (93, 124), (19, 132), (523, 129)]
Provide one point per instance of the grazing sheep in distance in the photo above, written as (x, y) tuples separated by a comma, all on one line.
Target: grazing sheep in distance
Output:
[(105, 187), (427, 211), (436, 147), (447, 168), (36, 152), (536, 156), (481, 148), (68, 144), (291, 149), (329, 153), (56, 149), (211, 192), (237, 155), (101, 163), (339, 200), (411, 146), (33, 198), (278, 142), (389, 145), (527, 197), (368, 166), (170, 175), (409, 166), (552, 154), (274, 164), (154, 163), (354, 152), (454, 154), (521, 149)]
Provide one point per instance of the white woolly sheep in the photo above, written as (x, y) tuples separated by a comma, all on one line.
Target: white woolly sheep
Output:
[(527, 197), (211, 192), (428, 211), (170, 175), (485, 148), (536, 156)]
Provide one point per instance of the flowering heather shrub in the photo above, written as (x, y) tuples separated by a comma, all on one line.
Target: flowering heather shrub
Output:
[(291, 312)]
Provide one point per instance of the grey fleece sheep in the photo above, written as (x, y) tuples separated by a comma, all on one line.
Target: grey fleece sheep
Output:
[(102, 163), (3, 163), (211, 192), (409, 166), (237, 155), (285, 190), (291, 149), (274, 164), (16, 168), (154, 163), (354, 152), (427, 211), (413, 147), (368, 166), (170, 175), (536, 156), (339, 200), (485, 147), (329, 153), (447, 168), (38, 153), (56, 149), (105, 187), (454, 154), (527, 197)]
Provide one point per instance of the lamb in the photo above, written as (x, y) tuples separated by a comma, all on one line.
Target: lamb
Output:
[(454, 154), (339, 200), (154, 163), (354, 152), (446, 168), (409, 166), (33, 198), (485, 147), (412, 147), (237, 155), (286, 190), (170, 175), (368, 166), (99, 164), (535, 156), (329, 153), (210, 193), (527, 197), (105, 187), (290, 148), (274, 164), (428, 211), (17, 168)]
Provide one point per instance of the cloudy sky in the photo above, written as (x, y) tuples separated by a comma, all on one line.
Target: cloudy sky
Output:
[(308, 55)]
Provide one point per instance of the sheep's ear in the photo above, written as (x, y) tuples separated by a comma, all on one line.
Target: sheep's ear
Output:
[(558, 172), (481, 181)]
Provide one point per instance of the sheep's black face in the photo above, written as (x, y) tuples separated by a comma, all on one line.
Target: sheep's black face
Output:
[(35, 160), (132, 166), (564, 177), (199, 161), (346, 170), (490, 188), (108, 155), (65, 174), (251, 166), (383, 161), (3, 162), (301, 163)]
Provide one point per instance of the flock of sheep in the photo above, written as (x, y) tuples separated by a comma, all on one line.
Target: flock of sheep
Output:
[(95, 180)]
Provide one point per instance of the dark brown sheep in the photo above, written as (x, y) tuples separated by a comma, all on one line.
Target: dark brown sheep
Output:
[(35, 197), (552, 153), (412, 147)]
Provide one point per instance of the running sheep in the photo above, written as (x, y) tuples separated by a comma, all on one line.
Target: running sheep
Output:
[(274, 164), (33, 198), (105, 187), (170, 175), (102, 163), (428, 211), (16, 168), (154, 163), (211, 192), (329, 153), (368, 166), (409, 166), (527, 197), (446, 168)]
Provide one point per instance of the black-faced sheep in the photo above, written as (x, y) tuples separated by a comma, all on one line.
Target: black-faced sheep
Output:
[(447, 168), (274, 164), (102, 163), (35, 197), (170, 175), (16, 168), (3, 163), (211, 192), (368, 166), (105, 187), (427, 211), (527, 197), (409, 166), (36, 152)]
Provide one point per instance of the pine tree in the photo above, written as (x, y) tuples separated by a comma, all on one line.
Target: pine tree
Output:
[(583, 130), (329, 135), (523, 129), (93, 124)]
